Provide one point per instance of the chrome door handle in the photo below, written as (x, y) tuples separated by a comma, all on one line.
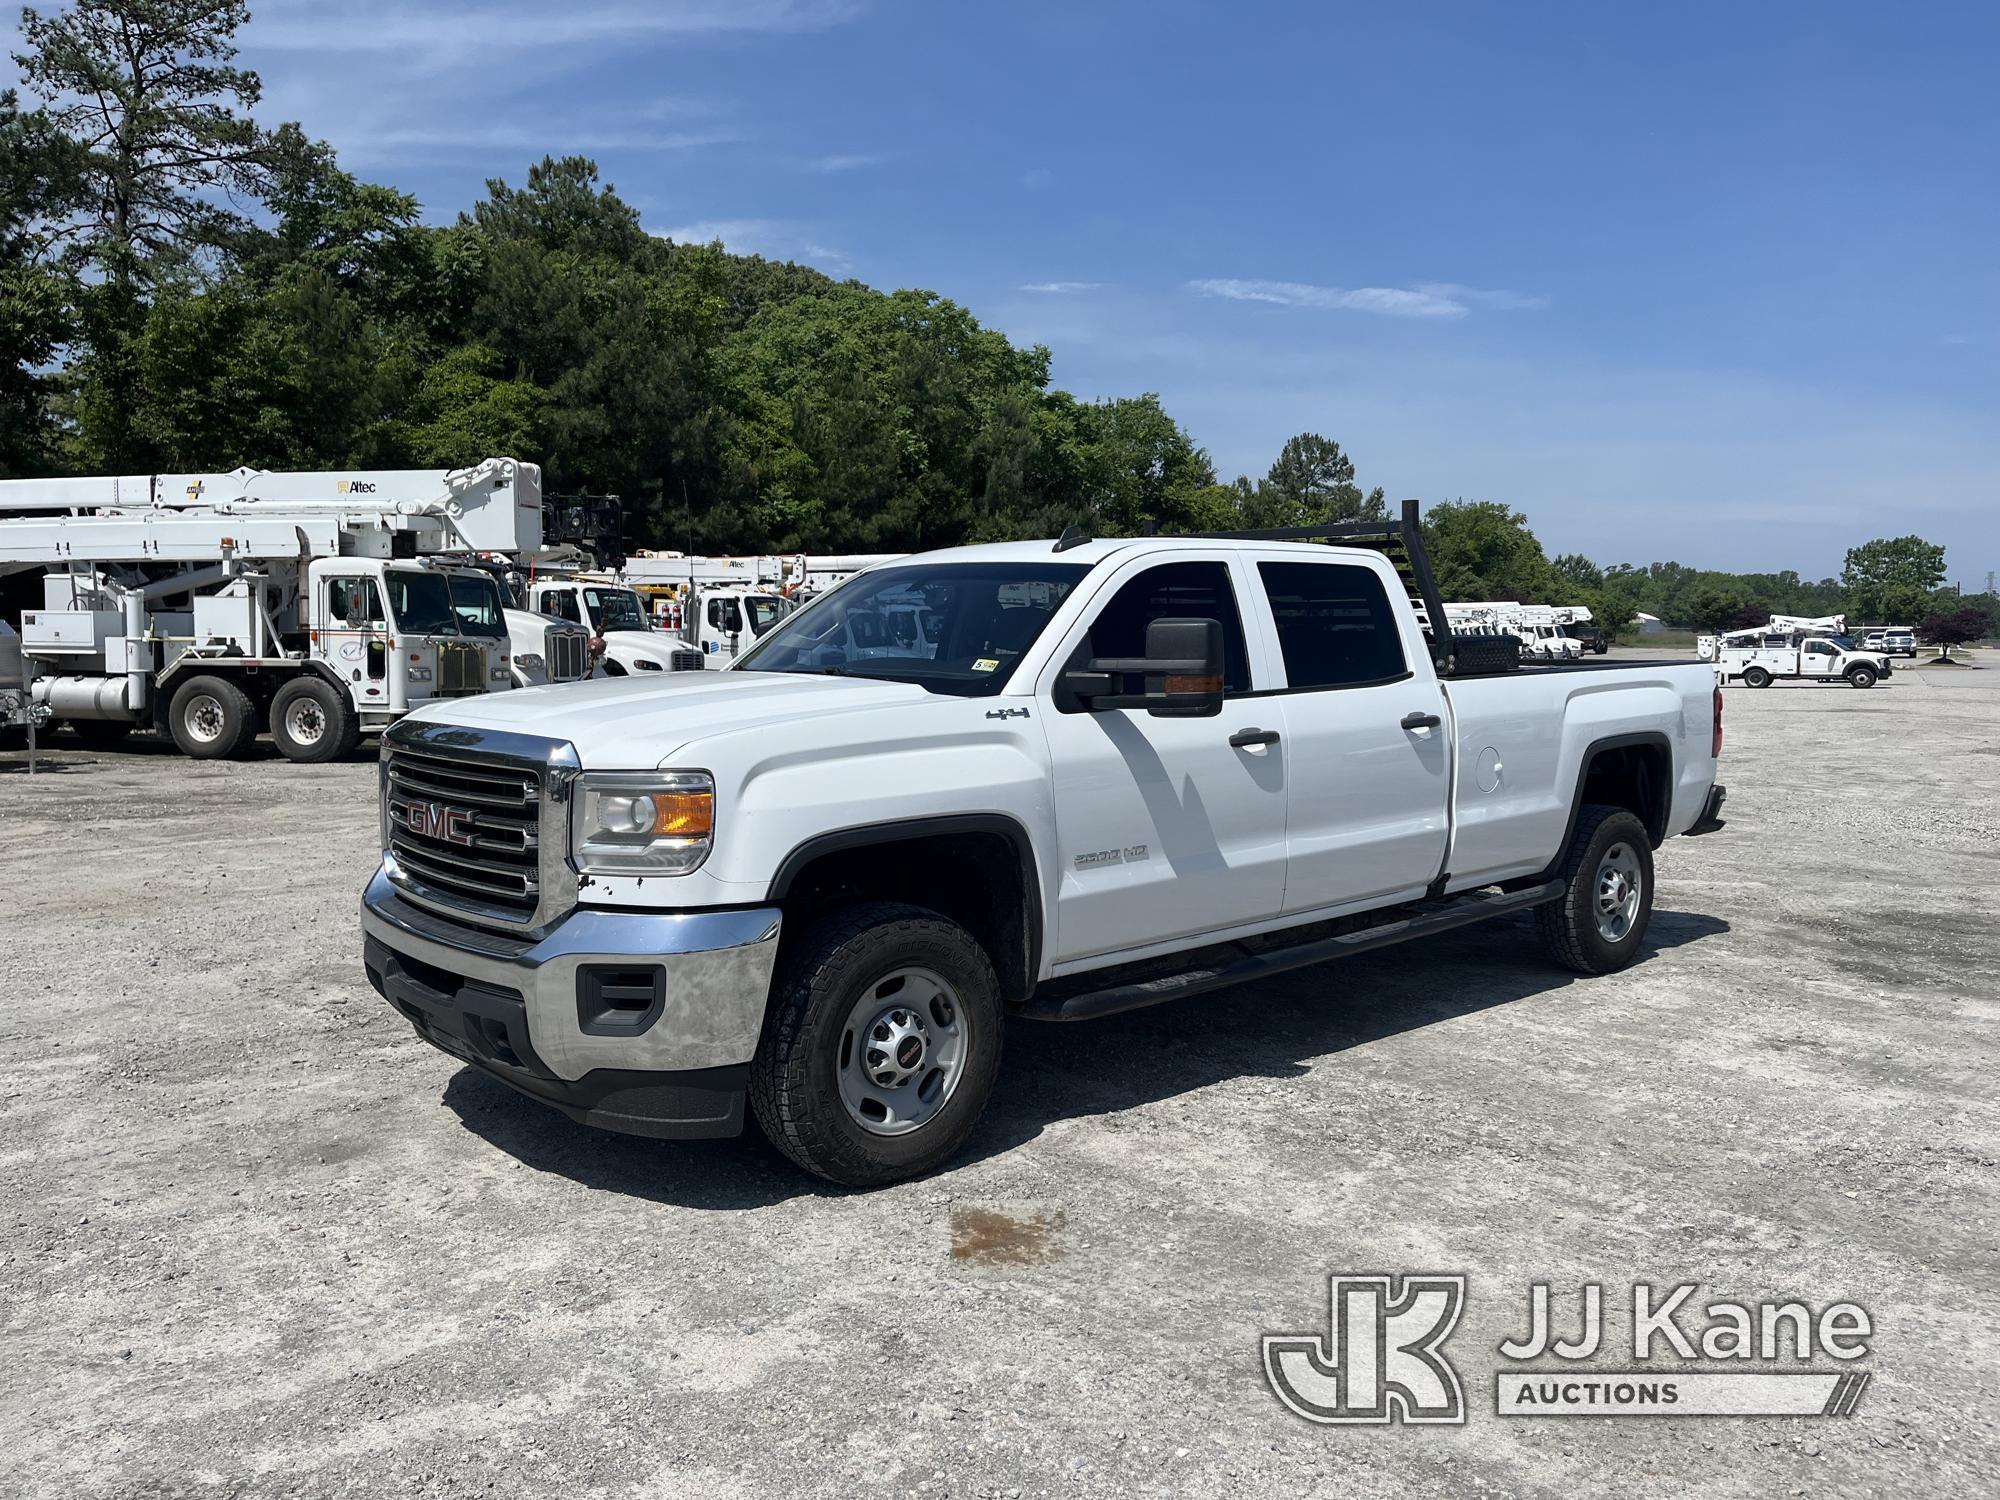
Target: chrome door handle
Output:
[(1247, 737), (1421, 721)]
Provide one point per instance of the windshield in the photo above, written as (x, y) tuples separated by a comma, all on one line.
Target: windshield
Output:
[(616, 609), (765, 611), (948, 628), (444, 603)]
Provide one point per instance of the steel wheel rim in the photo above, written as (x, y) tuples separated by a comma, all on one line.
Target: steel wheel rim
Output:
[(902, 1051), (305, 722), (204, 718), (1616, 891)]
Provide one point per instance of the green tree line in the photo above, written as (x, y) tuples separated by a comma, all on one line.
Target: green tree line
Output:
[(182, 289)]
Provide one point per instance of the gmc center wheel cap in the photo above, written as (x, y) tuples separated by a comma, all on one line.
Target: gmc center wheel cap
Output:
[(901, 1051)]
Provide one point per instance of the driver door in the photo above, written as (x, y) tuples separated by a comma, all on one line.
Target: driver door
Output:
[(1165, 827), (354, 638)]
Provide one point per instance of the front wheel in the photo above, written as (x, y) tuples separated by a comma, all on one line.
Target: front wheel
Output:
[(1599, 921), (1861, 677), (881, 1044)]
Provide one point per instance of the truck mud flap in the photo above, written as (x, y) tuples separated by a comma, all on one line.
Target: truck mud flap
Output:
[(1420, 921)]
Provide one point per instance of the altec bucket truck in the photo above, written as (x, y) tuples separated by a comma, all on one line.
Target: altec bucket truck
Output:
[(323, 606)]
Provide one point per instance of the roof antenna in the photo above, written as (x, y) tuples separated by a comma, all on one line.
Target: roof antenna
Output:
[(1072, 537)]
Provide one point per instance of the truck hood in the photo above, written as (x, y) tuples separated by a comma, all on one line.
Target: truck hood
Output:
[(635, 723), (647, 645)]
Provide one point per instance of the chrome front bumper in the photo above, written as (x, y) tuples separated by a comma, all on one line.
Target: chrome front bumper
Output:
[(711, 971)]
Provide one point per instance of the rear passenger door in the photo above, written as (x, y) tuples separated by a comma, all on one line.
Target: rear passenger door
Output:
[(1369, 764)]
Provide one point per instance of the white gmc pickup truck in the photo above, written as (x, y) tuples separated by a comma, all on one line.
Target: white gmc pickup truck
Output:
[(818, 885)]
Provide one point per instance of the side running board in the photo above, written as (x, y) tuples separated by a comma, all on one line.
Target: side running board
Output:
[(1430, 917)]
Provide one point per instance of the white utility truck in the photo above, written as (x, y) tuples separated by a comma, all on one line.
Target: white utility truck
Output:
[(1112, 773), (1757, 658), (325, 605), (617, 617), (1709, 647)]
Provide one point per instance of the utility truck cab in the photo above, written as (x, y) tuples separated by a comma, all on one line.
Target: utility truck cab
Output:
[(617, 617), (726, 622)]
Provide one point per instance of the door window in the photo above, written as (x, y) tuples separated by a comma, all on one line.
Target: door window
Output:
[(724, 616), (1335, 624), (1172, 591), (353, 602), (562, 604)]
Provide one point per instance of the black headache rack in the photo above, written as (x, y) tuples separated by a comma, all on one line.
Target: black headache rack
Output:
[(1401, 541), (593, 523)]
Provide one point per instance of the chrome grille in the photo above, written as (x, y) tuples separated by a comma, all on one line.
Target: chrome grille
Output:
[(567, 655), (461, 669), (469, 832)]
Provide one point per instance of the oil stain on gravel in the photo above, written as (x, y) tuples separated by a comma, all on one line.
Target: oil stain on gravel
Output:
[(987, 1238)]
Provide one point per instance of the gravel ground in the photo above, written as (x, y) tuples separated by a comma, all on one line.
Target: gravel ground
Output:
[(256, 1239)]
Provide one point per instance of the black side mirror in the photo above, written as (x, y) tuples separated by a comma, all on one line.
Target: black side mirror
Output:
[(1182, 669)]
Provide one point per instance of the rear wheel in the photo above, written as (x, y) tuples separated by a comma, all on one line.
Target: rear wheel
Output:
[(1756, 677), (880, 1047), (1600, 920), (211, 718), (1861, 677), (312, 721)]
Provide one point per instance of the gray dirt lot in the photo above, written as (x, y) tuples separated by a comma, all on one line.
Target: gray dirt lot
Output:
[(255, 1238)]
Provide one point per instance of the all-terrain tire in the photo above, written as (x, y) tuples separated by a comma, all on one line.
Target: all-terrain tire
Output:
[(1608, 841), (823, 974), (1861, 677), (1756, 677), (1477, 655), (211, 718), (313, 722)]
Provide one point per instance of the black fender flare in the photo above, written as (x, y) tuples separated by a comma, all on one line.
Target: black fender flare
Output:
[(1656, 829), (903, 830)]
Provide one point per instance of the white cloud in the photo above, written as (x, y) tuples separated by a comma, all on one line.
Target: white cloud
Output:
[(740, 236), (1433, 299), (774, 239), (452, 135), (1498, 299), (323, 27), (849, 161), (1061, 288)]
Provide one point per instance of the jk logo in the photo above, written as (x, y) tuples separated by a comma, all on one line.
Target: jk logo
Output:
[(1380, 1361)]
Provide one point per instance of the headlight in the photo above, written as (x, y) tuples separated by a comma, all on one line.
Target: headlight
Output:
[(529, 661), (500, 674), (420, 674), (646, 666), (643, 822)]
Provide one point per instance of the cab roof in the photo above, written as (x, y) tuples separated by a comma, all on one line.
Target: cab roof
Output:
[(1097, 550)]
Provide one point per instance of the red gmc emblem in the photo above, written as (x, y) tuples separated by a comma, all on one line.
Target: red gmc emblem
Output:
[(434, 820)]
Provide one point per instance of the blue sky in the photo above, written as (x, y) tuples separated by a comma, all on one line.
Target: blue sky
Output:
[(1713, 282)]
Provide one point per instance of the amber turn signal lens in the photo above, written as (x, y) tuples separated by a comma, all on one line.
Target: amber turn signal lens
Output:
[(1181, 684), (683, 814)]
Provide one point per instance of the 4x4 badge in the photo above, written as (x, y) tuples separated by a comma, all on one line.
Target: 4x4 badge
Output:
[(1006, 713)]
